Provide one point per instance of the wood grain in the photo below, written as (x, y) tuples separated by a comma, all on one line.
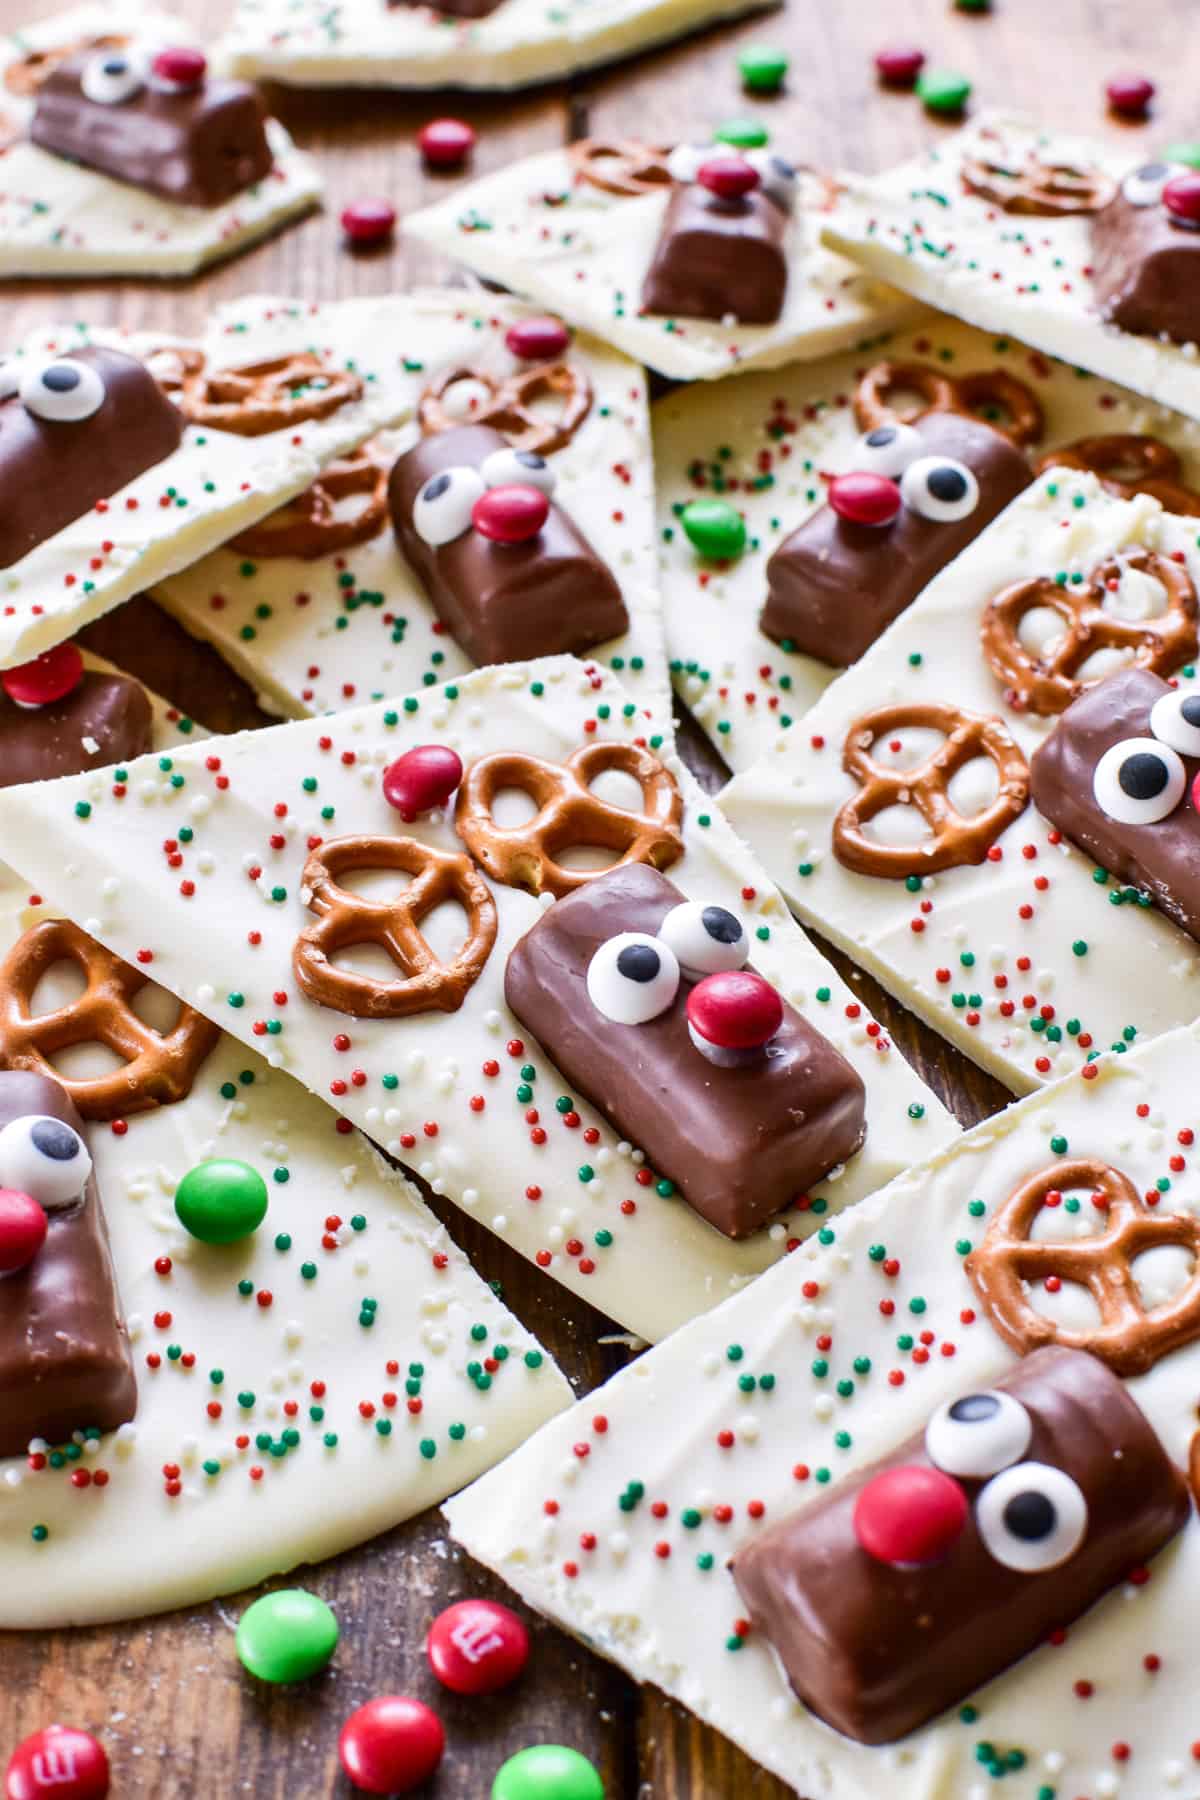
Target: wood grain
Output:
[(167, 1695)]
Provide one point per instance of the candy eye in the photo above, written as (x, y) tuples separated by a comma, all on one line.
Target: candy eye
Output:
[(63, 391), (978, 1435), (1175, 720), (684, 162), (706, 939), (777, 178), (45, 1158), (887, 450), (442, 509), (111, 77), (1031, 1517), (632, 978), (518, 468), (1144, 186), (939, 489), (1139, 781)]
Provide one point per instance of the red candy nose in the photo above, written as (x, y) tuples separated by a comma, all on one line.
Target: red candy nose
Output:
[(537, 340), (735, 1010), (511, 515), (22, 1229), (1181, 197), (910, 1515), (421, 779), (728, 177), (181, 66), (51, 676), (864, 499)]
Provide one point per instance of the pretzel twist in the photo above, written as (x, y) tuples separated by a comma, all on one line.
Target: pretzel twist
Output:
[(426, 983), (621, 166), (258, 397), (1130, 1336), (1045, 683), (568, 816), (955, 840), (1127, 464), (1049, 189), (975, 395), (510, 405), (311, 526), (158, 1068)]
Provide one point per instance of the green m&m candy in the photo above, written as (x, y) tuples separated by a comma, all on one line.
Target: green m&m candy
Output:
[(1188, 154), (547, 1772), (221, 1201), (762, 68), (942, 91), (743, 134), (286, 1636), (714, 527)]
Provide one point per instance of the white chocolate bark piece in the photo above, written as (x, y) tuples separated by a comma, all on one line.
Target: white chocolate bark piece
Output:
[(217, 482), (317, 634), (59, 219), (371, 44), (1024, 960), (584, 253), (766, 450), (917, 226), (861, 1341), (466, 1098), (274, 1422)]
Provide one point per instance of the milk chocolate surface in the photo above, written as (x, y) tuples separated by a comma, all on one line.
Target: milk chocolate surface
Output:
[(833, 587), (740, 1143), (719, 258), (65, 1362), (1146, 271), (876, 1650), (455, 9), (199, 147), (52, 471), (1164, 859), (504, 602), (106, 719)]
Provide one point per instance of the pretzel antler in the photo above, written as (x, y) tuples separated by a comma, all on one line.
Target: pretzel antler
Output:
[(311, 525), (510, 405), (1050, 189), (620, 166), (257, 397), (986, 392), (1128, 464)]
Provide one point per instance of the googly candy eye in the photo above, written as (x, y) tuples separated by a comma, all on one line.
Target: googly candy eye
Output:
[(683, 164), (520, 468), (632, 978), (706, 939), (1031, 1517), (442, 509), (1139, 781), (45, 1158), (1144, 186), (112, 77), (1175, 720), (887, 450), (63, 391), (978, 1434), (777, 177), (939, 488)]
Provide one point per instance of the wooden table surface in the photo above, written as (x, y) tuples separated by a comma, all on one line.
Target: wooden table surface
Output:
[(168, 1696)]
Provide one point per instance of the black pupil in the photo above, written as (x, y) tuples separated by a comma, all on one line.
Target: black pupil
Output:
[(946, 483), (116, 65), (530, 459), (58, 1142), (1152, 171), (1142, 776), (638, 962), (61, 378), (881, 436), (1190, 709), (437, 487), (974, 1409), (720, 925), (1030, 1516)]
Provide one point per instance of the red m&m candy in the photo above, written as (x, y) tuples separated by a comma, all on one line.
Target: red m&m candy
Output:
[(422, 779), (910, 1515), (537, 340), (1181, 197), (180, 65), (728, 177), (23, 1225), (60, 1762), (391, 1745), (864, 499), (733, 1010), (1130, 95), (369, 221), (899, 64), (477, 1647), (446, 143), (511, 514), (51, 676)]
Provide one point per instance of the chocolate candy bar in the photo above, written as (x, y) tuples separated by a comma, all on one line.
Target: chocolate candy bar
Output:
[(719, 259), (456, 9), (1142, 272), (502, 601), (105, 719), (65, 1362), (1115, 776), (741, 1125), (834, 586), (198, 145), (56, 460), (920, 1578)]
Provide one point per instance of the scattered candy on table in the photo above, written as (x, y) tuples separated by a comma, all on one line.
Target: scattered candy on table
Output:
[(763, 69), (899, 64), (369, 221), (973, 6), (548, 1772), (421, 779), (1188, 153), (446, 143), (391, 1745), (23, 1226), (221, 1201), (286, 1636), (743, 134), (1130, 95), (59, 1760), (477, 1647), (714, 527), (942, 91)]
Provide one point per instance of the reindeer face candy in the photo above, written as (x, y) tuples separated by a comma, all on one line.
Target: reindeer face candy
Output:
[(1143, 242), (722, 249)]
